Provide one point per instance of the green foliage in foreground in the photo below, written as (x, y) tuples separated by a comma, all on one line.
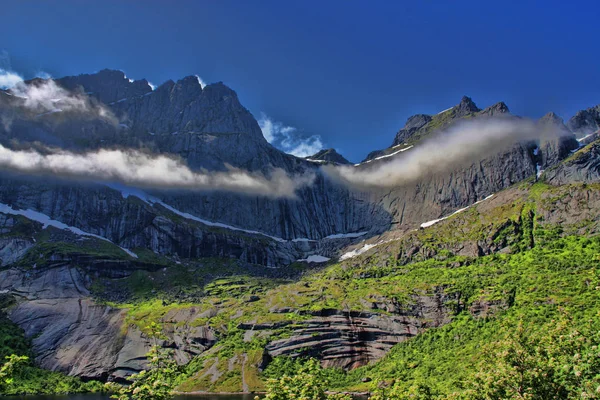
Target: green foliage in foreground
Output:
[(22, 376), (556, 361), (155, 383), (308, 383)]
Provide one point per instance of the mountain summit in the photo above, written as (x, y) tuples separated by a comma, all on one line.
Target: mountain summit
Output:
[(329, 155)]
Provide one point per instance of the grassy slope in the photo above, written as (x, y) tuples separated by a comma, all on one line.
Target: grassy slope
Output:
[(544, 267), (547, 268)]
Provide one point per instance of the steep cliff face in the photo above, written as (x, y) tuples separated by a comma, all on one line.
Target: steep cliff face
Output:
[(328, 155), (559, 143), (582, 167), (73, 334), (585, 122), (58, 239)]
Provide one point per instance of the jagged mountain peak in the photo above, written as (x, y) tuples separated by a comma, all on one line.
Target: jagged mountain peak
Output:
[(416, 121), (106, 85), (496, 109), (466, 105), (551, 117), (328, 155), (585, 122)]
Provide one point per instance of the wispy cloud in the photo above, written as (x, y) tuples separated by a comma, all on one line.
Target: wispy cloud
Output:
[(460, 145), (47, 96), (288, 139), (9, 79), (201, 82), (137, 168), (43, 75)]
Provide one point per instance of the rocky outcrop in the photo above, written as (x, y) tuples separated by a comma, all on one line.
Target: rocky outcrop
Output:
[(108, 86), (557, 141), (497, 109), (73, 334), (412, 125), (585, 122), (583, 167), (350, 339), (329, 155)]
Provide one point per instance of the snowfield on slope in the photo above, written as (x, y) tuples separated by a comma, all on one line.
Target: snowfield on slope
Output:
[(46, 221), (369, 246), (151, 200)]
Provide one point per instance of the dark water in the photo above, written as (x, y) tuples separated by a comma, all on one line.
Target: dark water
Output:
[(106, 397)]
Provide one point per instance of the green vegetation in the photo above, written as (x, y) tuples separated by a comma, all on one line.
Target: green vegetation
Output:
[(156, 383), (520, 321), (308, 383), (19, 375)]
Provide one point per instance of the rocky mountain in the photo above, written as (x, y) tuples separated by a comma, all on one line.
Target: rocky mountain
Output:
[(328, 155), (585, 122), (70, 248)]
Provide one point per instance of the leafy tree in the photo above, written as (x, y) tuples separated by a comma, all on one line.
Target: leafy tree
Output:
[(156, 383), (399, 390), (561, 362), (9, 368), (307, 384)]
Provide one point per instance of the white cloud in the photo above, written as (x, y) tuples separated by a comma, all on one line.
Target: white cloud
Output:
[(152, 85), (288, 139), (200, 81), (47, 96), (43, 75), (460, 145), (136, 168), (9, 79), (306, 147)]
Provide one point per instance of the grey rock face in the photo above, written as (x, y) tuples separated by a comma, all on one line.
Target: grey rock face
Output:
[(497, 109), (413, 124), (107, 85), (352, 339), (585, 122), (329, 155), (558, 141), (583, 167), (72, 334), (465, 107)]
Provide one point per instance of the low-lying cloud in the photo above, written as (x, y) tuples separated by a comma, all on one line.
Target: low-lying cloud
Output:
[(44, 96), (460, 145), (288, 139), (9, 79), (136, 168)]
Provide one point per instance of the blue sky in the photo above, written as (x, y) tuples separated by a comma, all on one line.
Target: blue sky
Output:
[(346, 73)]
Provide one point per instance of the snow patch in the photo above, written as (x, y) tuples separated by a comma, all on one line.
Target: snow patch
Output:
[(435, 221), (583, 139), (357, 252), (303, 240), (539, 171), (315, 161), (346, 235), (46, 221), (127, 191), (447, 109), (385, 156), (315, 259)]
